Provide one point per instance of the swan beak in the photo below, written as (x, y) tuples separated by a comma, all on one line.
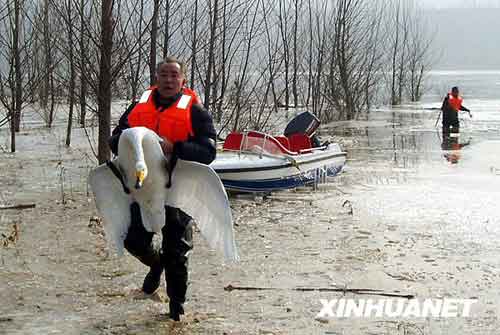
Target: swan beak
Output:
[(140, 175)]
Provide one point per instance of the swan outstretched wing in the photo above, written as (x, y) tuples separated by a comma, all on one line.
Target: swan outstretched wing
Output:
[(198, 191), (112, 203)]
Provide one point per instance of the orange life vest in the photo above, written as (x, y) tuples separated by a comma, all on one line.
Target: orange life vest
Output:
[(174, 122), (455, 103), (192, 93)]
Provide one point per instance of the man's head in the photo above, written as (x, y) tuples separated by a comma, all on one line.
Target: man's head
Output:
[(454, 91), (170, 76)]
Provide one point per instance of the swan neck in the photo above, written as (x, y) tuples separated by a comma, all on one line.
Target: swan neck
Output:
[(137, 149)]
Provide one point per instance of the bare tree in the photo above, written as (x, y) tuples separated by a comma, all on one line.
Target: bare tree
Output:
[(67, 14), (15, 43), (153, 42), (245, 58), (397, 32), (194, 44), (375, 53), (173, 21), (67, 17), (346, 46), (16, 50), (310, 51), (297, 10), (401, 66), (111, 48), (214, 14), (166, 24), (409, 42), (319, 36), (231, 27), (283, 21), (136, 66), (241, 78), (72, 69), (47, 58), (104, 90), (272, 63), (394, 47), (419, 54), (47, 87), (83, 41)]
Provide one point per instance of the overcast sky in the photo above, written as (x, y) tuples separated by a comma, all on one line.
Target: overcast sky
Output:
[(459, 3), (467, 33)]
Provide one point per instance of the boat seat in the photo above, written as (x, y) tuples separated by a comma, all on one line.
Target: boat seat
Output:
[(284, 141), (252, 133), (233, 141), (299, 142), (274, 145)]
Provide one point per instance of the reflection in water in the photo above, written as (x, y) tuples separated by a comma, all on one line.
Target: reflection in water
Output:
[(452, 145), (407, 141)]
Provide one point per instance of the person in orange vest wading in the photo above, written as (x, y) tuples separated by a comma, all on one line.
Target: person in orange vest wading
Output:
[(174, 112), (452, 104)]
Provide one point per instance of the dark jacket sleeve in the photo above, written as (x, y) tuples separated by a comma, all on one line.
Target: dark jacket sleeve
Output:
[(122, 125), (202, 146), (444, 106), (463, 108)]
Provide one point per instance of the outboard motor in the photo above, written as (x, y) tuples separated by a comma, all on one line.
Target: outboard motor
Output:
[(304, 123)]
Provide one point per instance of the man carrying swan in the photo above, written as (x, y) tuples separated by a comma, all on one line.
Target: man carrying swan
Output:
[(176, 115)]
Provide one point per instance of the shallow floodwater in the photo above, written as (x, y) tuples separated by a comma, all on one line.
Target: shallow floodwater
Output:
[(406, 217), (434, 206)]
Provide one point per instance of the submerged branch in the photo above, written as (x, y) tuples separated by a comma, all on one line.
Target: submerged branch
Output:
[(24, 206), (365, 291)]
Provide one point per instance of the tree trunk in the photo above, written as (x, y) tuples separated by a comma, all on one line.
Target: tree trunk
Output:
[(152, 50), (223, 85), (17, 68), (44, 90), (211, 53), (310, 54), (286, 49), (194, 44), (71, 74), (395, 49), (104, 90), (83, 57), (137, 71), (295, 65), (166, 37)]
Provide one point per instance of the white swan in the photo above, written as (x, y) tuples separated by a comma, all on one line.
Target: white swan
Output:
[(196, 189)]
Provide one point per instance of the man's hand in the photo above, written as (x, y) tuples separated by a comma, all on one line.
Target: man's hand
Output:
[(166, 146), (470, 114)]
